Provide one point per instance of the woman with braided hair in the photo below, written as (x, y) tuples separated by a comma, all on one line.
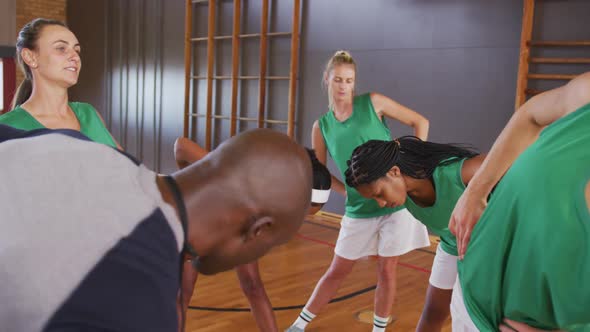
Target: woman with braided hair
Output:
[(428, 178)]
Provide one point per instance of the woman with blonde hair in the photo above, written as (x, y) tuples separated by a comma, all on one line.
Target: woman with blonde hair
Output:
[(367, 228)]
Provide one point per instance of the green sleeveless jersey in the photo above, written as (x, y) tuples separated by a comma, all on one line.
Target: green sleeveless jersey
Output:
[(449, 186), (529, 255), (90, 123), (342, 138)]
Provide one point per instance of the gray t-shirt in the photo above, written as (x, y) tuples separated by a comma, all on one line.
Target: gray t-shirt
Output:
[(86, 241)]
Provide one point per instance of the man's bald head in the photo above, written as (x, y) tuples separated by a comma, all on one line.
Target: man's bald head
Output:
[(275, 170), (255, 195)]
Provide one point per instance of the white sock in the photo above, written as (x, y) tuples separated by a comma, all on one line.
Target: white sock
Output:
[(379, 323), (304, 318)]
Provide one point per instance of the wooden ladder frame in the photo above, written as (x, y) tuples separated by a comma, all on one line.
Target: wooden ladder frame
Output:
[(525, 59), (236, 36)]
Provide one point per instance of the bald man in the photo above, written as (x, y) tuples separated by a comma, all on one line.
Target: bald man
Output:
[(91, 238)]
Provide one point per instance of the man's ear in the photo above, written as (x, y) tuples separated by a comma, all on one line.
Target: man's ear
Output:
[(259, 227)]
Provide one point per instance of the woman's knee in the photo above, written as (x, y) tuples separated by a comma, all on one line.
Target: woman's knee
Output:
[(339, 268), (388, 267)]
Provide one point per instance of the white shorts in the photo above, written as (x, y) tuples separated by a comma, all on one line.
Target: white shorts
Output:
[(387, 236), (444, 270), (461, 321)]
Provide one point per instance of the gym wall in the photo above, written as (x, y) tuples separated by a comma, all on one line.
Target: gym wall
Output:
[(454, 61)]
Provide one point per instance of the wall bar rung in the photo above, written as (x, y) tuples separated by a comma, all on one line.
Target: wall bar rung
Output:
[(533, 76), (278, 34), (561, 60), (227, 117), (572, 43), (241, 77), (249, 35), (207, 38)]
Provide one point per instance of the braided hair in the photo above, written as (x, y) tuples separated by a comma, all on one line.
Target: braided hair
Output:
[(415, 158)]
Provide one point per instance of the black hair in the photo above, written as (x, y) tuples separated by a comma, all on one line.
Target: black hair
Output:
[(321, 176), (415, 158)]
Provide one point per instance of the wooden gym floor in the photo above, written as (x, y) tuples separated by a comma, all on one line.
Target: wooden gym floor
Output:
[(290, 273)]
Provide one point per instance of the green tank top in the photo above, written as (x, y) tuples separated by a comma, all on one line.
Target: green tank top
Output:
[(529, 255), (342, 138), (90, 123), (449, 186)]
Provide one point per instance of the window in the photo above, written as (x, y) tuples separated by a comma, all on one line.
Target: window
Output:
[(7, 83), (1, 86)]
